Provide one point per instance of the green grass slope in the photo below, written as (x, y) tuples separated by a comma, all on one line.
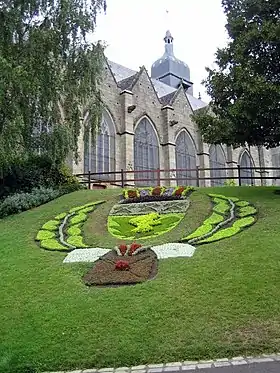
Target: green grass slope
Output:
[(223, 301)]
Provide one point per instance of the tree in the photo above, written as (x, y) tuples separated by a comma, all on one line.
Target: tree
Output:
[(245, 85), (49, 76)]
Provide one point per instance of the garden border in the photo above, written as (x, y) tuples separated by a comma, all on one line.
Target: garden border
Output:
[(184, 365)]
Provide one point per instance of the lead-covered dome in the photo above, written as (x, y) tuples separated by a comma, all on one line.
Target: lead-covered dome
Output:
[(170, 69)]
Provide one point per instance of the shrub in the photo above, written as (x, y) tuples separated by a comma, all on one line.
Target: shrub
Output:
[(76, 241), (70, 188), (79, 218), (87, 209), (78, 208), (44, 235), (224, 233), (24, 201), (74, 230), (222, 206), (61, 216), (244, 222), (201, 231), (242, 204), (246, 211), (52, 244), (233, 199), (214, 219), (37, 171), (51, 225)]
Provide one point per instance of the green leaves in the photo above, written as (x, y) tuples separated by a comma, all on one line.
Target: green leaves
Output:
[(49, 75), (245, 86)]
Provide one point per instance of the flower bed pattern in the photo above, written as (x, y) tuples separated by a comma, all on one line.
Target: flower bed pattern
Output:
[(230, 216), (144, 208), (123, 227), (64, 233), (156, 194), (115, 270), (132, 264)]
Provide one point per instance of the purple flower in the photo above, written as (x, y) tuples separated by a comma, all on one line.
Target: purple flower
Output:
[(144, 193), (168, 192)]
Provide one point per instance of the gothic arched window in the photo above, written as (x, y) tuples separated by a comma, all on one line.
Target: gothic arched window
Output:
[(246, 172), (99, 154), (185, 159), (217, 161), (146, 153), (275, 158)]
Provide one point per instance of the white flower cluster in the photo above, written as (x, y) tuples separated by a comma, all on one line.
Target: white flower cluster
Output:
[(168, 250)]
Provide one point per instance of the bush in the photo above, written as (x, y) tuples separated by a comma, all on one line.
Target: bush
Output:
[(24, 201), (70, 188), (19, 202), (36, 171)]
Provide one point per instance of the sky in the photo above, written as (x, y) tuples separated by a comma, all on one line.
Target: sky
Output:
[(133, 31)]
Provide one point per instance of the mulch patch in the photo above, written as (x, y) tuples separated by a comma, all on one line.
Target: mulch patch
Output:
[(142, 267)]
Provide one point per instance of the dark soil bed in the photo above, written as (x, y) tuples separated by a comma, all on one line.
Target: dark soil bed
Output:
[(142, 267)]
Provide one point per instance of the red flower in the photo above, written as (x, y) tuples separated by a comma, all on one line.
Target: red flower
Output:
[(156, 191), (123, 249), (179, 191), (132, 194), (122, 265), (133, 247)]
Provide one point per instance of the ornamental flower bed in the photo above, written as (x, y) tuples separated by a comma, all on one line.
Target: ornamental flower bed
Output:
[(129, 250), (125, 265), (122, 265), (156, 194)]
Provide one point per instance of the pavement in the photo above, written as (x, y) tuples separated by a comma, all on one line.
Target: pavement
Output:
[(271, 367), (259, 364)]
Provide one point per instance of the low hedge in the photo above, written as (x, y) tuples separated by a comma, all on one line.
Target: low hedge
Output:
[(20, 202)]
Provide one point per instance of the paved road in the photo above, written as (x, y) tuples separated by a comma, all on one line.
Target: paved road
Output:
[(271, 367)]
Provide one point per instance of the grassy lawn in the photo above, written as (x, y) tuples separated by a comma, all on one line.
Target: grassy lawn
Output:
[(224, 301)]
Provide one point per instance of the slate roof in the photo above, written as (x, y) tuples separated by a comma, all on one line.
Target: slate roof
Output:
[(166, 100), (127, 84), (125, 78)]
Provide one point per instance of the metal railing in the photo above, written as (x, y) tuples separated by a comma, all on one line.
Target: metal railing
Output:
[(194, 176)]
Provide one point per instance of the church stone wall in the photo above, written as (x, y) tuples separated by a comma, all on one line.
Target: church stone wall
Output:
[(148, 105)]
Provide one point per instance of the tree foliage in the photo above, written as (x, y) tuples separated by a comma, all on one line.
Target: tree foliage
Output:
[(245, 85), (49, 75)]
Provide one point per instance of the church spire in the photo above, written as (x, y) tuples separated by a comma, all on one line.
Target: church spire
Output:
[(168, 43)]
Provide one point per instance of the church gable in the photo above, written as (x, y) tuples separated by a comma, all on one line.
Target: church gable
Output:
[(110, 94), (144, 90), (180, 102), (108, 78)]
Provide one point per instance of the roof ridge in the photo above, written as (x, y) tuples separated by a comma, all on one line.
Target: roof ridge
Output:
[(126, 78)]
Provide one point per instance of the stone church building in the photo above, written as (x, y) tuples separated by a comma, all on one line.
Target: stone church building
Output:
[(147, 125)]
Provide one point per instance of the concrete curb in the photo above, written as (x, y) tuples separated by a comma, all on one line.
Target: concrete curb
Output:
[(183, 366)]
